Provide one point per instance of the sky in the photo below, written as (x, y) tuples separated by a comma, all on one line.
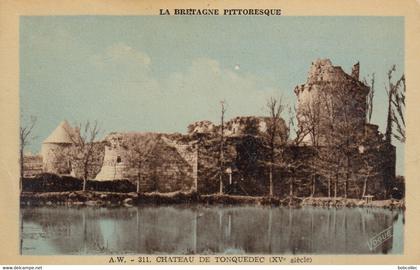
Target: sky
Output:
[(161, 73)]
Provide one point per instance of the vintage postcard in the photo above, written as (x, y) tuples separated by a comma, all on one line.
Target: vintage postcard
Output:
[(208, 132)]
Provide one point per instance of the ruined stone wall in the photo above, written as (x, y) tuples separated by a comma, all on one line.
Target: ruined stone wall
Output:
[(247, 157), (243, 155), (238, 126), (182, 162), (170, 171), (369, 165), (204, 126), (250, 125), (32, 166), (164, 164)]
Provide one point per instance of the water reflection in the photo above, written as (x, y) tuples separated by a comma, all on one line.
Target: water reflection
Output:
[(207, 230)]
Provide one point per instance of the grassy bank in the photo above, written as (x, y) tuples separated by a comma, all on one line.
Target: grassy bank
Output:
[(115, 199), (349, 202)]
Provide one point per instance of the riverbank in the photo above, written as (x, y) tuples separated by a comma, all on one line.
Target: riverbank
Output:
[(114, 199)]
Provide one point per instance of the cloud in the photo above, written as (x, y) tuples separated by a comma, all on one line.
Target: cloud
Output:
[(124, 69), (151, 101), (121, 53), (199, 89)]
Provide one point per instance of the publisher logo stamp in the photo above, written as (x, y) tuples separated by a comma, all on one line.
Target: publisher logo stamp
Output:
[(380, 238)]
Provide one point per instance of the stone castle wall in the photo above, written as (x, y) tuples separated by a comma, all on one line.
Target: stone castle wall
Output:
[(177, 162), (238, 126), (246, 156), (165, 167), (32, 166)]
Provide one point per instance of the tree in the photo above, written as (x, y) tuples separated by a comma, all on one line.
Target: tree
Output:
[(318, 120), (310, 116), (25, 138), (300, 133), (396, 106), (398, 102), (222, 139), (369, 98), (275, 141), (336, 115), (294, 162), (82, 151), (347, 134), (366, 172)]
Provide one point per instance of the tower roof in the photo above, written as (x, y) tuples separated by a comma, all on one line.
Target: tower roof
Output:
[(62, 134)]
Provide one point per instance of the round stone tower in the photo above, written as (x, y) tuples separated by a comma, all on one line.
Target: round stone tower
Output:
[(55, 149), (330, 99)]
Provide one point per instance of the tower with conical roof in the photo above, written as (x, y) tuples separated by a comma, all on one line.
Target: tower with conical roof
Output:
[(55, 149)]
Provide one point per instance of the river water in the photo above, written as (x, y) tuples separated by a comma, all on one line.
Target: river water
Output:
[(199, 229)]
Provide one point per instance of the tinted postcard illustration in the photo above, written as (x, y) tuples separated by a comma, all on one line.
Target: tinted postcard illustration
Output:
[(211, 135)]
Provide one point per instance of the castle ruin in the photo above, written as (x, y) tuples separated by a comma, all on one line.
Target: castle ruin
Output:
[(331, 112)]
